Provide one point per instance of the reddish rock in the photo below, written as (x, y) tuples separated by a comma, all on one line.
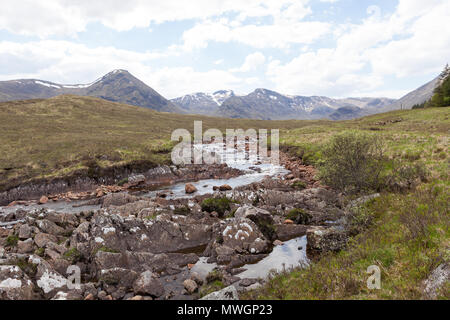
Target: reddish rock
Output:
[(288, 221), (43, 200), (190, 188), (225, 187)]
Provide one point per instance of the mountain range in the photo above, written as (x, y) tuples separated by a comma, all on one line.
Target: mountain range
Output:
[(270, 105), (121, 86), (117, 86)]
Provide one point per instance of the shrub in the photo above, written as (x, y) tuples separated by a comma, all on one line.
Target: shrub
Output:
[(72, 255), (299, 216), (353, 162), (299, 185), (267, 229), (405, 177), (219, 205), (11, 241), (182, 211)]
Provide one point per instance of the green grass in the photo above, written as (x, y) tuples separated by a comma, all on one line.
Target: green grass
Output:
[(407, 240)]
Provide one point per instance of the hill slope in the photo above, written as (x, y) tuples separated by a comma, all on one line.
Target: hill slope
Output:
[(118, 86), (418, 96)]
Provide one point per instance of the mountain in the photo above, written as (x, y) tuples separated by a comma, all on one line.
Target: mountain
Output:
[(117, 86), (203, 103), (270, 105), (418, 96)]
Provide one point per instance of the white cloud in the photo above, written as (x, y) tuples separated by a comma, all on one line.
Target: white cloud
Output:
[(68, 17), (252, 62), (411, 41)]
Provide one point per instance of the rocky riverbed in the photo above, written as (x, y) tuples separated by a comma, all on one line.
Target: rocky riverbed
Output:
[(171, 243)]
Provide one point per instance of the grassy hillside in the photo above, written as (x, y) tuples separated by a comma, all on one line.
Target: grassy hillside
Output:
[(54, 137)]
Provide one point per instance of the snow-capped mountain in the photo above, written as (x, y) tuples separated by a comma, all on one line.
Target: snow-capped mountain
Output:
[(271, 105), (203, 103), (118, 86)]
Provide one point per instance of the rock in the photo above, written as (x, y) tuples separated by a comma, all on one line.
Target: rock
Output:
[(288, 221), (136, 180), (278, 243), (43, 200), (137, 298), (148, 284), (287, 232), (190, 286), (247, 282), (118, 199), (436, 281), (257, 215), (225, 187), (90, 296), (321, 239), (49, 280), (118, 277), (190, 188), (24, 232), (243, 235), (25, 246), (50, 227), (196, 277), (42, 239), (228, 293), (14, 284)]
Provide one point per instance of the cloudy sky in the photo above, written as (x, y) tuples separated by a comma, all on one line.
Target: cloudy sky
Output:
[(336, 48)]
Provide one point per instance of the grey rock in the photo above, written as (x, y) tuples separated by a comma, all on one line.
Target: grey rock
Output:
[(228, 293)]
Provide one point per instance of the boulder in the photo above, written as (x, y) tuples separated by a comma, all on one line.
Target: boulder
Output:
[(50, 227), (190, 286), (321, 239), (42, 239), (24, 232), (243, 235), (287, 232), (257, 215), (43, 200), (190, 188), (136, 180), (148, 284), (15, 285), (225, 187), (228, 293), (25, 246), (118, 199), (436, 281)]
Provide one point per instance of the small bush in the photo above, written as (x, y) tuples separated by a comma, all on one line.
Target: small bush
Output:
[(219, 205), (353, 162), (12, 241), (211, 287), (122, 182), (405, 177), (182, 211), (299, 216), (40, 252), (267, 229), (299, 185), (28, 268), (214, 275), (72, 255)]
